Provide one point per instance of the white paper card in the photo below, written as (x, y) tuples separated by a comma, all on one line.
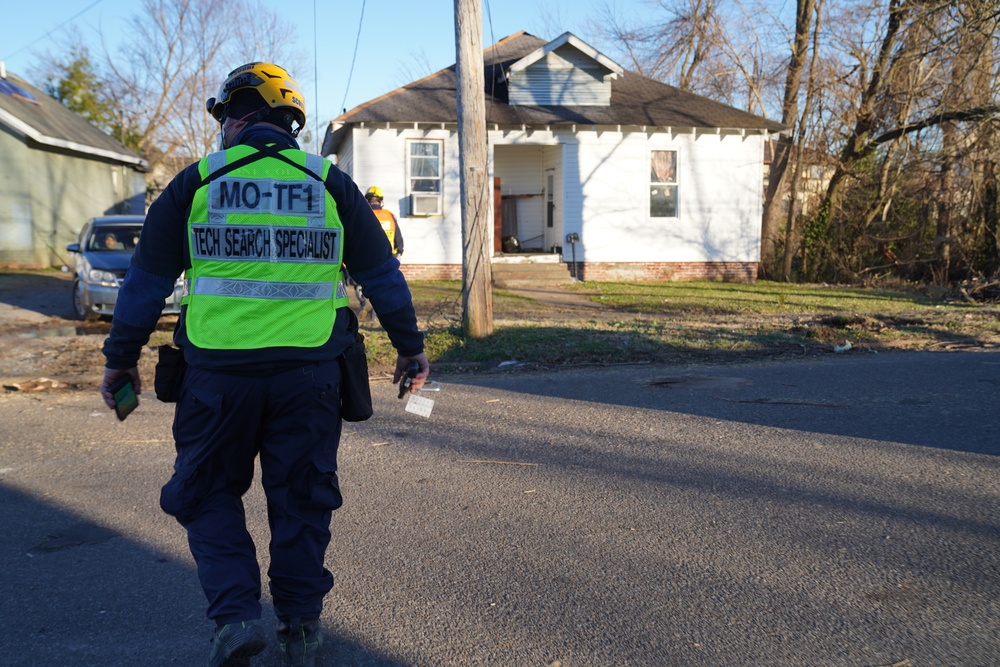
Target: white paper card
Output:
[(419, 405)]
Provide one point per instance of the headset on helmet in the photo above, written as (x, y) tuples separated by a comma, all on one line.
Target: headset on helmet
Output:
[(274, 85), (374, 192)]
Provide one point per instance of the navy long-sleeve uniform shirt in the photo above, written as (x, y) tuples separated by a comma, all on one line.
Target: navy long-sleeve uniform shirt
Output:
[(162, 254)]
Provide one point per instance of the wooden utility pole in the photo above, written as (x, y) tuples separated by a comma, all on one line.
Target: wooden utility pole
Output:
[(477, 274)]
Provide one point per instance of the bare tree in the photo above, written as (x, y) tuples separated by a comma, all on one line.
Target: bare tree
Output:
[(902, 86), (671, 50), (181, 51), (414, 68)]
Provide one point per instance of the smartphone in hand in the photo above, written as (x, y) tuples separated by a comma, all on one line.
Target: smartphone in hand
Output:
[(404, 382), (126, 400)]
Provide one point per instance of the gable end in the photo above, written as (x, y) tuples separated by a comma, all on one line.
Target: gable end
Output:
[(565, 76)]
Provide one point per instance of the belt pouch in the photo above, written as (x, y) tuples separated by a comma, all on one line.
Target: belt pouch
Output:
[(169, 373), (355, 393)]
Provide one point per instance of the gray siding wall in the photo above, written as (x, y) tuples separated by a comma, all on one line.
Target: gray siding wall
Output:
[(47, 196), (564, 77)]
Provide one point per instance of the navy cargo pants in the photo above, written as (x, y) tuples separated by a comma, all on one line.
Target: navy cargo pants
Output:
[(291, 419)]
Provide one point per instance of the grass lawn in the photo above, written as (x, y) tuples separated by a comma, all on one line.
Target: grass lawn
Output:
[(691, 321)]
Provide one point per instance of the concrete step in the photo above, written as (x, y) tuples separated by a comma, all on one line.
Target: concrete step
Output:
[(528, 273)]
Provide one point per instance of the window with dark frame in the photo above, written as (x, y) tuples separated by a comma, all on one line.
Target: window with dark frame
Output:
[(663, 184)]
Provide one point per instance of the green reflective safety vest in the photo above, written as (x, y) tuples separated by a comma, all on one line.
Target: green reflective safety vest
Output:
[(266, 246)]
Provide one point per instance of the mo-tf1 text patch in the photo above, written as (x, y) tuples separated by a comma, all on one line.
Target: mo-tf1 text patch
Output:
[(252, 195)]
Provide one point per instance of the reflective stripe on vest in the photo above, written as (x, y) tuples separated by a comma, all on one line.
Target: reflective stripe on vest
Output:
[(266, 246)]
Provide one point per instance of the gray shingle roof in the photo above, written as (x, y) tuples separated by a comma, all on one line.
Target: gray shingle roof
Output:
[(47, 122), (635, 100)]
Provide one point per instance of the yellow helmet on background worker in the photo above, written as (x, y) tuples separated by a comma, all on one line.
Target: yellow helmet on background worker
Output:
[(374, 192), (275, 86)]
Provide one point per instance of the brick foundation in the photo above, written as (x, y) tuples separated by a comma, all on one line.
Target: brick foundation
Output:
[(432, 271), (733, 272), (648, 272)]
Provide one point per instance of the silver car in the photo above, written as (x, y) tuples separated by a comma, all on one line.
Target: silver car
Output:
[(101, 256)]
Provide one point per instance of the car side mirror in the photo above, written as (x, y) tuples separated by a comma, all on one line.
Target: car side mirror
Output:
[(73, 247)]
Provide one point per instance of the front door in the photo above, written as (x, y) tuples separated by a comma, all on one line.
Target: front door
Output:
[(551, 233)]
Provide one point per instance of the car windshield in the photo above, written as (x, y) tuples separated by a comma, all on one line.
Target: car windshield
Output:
[(111, 238)]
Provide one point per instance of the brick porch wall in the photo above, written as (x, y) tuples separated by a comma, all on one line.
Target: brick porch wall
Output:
[(736, 272), (432, 271)]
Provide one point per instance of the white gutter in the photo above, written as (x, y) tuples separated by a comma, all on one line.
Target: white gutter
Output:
[(20, 126)]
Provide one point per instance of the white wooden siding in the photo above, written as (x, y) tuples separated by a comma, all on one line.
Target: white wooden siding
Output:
[(560, 87), (719, 201), (380, 159), (345, 158), (564, 77), (602, 183)]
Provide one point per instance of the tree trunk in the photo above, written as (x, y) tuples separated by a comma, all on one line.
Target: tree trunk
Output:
[(791, 236), (771, 218), (991, 218)]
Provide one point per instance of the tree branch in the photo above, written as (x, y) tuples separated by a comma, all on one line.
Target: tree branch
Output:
[(977, 113)]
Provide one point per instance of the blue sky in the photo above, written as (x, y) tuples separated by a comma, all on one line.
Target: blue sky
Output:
[(398, 38)]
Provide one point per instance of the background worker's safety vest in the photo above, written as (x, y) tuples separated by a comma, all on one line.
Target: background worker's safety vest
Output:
[(266, 245), (388, 221)]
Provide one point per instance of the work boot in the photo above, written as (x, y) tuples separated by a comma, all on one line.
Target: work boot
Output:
[(299, 640), (234, 644)]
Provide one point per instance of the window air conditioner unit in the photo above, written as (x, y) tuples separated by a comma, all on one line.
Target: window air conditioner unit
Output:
[(425, 204)]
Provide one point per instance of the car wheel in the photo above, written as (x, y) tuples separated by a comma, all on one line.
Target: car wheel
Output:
[(80, 308)]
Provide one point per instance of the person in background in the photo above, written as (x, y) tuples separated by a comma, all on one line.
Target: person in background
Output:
[(111, 242), (391, 228), (263, 322), (388, 221)]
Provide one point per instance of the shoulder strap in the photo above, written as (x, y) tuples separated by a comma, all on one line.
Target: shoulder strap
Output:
[(269, 151)]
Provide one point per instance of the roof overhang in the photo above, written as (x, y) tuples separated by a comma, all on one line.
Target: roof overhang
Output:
[(26, 130)]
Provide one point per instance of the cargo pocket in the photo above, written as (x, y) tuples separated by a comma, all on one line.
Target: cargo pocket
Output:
[(194, 424), (182, 495), (324, 491)]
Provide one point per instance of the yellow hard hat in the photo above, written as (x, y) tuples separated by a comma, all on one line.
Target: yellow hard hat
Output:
[(275, 86), (374, 192)]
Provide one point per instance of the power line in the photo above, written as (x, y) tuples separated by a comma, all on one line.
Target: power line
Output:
[(493, 41), (29, 45), (357, 40), (316, 77), (489, 18)]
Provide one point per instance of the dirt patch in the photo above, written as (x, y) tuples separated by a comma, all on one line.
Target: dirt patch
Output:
[(39, 337)]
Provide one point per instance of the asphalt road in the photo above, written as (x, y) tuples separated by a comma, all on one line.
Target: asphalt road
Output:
[(841, 511)]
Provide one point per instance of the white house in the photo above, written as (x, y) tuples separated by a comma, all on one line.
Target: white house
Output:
[(630, 178)]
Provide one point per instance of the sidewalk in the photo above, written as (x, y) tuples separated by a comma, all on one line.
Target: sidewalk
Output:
[(563, 300)]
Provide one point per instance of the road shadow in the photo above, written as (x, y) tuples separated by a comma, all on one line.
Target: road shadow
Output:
[(81, 593), (945, 400), (46, 293)]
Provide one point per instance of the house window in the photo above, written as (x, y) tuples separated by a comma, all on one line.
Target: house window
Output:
[(424, 177), (663, 184)]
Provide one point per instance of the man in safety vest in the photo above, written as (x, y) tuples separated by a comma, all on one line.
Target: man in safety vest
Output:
[(385, 217), (262, 231), (391, 228)]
